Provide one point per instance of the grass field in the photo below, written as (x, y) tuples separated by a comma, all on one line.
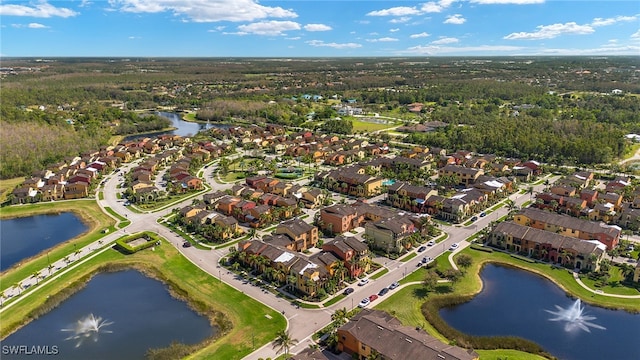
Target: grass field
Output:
[(360, 125), (245, 314), (87, 210), (7, 186)]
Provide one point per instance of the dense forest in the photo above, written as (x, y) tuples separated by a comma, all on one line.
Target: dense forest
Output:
[(549, 108)]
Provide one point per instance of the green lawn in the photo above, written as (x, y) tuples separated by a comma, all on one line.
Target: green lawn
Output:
[(232, 176), (408, 257), (366, 126), (379, 273), (506, 354), (334, 300), (614, 286)]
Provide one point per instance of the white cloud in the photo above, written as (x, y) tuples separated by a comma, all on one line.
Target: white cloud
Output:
[(217, 29), (455, 19), (270, 28), (320, 43), (429, 7), (400, 20), (30, 26), (317, 27), (504, 2), (610, 21), (421, 35), (293, 38), (396, 11), (445, 40), (636, 35), (384, 39), (394, 30), (37, 26), (206, 10), (134, 37), (41, 10), (551, 31), (485, 49)]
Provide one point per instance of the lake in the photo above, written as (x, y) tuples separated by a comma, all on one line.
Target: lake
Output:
[(25, 237), (182, 128), (131, 312), (515, 302)]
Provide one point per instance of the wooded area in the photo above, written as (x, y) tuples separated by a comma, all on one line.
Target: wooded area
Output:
[(558, 110)]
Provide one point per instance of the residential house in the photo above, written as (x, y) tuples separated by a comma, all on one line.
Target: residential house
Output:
[(76, 190), (566, 250), (353, 252), (338, 218), (466, 176), (387, 234), (569, 226), (376, 331), (226, 204), (312, 197), (303, 234)]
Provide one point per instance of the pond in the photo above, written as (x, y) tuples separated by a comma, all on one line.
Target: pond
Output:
[(519, 303), (116, 316), (182, 127), (25, 237)]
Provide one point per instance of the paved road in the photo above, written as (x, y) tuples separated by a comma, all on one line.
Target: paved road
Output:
[(302, 323)]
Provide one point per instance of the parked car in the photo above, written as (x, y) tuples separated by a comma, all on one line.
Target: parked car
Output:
[(186, 244), (426, 259), (422, 248), (363, 282), (364, 302), (373, 297), (453, 246), (431, 243), (383, 291), (348, 291), (474, 218), (483, 214), (394, 285)]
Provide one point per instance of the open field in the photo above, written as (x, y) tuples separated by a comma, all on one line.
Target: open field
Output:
[(7, 186)]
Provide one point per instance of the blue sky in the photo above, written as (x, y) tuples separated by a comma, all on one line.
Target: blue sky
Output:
[(313, 28)]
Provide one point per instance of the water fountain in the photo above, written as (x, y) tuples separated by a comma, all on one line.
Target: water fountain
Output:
[(574, 317), (88, 328)]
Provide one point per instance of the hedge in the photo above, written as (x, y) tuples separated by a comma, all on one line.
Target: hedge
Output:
[(481, 248), (123, 243)]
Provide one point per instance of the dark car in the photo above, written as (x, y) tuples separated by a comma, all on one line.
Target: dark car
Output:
[(383, 291), (348, 291), (474, 218), (483, 214), (422, 248), (186, 244)]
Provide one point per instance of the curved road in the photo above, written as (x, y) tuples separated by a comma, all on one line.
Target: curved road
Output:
[(302, 323)]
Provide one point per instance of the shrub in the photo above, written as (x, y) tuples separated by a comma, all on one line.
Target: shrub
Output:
[(481, 248)]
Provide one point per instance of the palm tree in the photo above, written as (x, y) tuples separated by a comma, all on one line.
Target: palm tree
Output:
[(340, 316), (284, 341), (36, 275), (375, 355)]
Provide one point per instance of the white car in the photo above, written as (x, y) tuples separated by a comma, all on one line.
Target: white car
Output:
[(363, 282), (364, 302), (431, 243), (453, 246)]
